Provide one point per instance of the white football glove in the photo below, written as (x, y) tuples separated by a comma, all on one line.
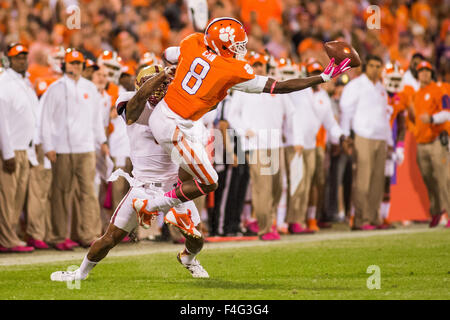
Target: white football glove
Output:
[(399, 155)]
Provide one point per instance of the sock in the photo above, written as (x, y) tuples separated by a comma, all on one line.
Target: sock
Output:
[(384, 209), (311, 213), (86, 267), (187, 257), (352, 211), (341, 215)]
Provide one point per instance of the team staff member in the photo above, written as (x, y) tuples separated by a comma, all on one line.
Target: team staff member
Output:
[(432, 155), (18, 105), (71, 126), (365, 109), (262, 125), (309, 116)]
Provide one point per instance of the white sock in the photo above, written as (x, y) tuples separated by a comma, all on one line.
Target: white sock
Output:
[(311, 213), (341, 215), (384, 210), (352, 212), (86, 267), (187, 257)]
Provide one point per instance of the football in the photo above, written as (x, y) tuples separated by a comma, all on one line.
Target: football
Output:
[(339, 50)]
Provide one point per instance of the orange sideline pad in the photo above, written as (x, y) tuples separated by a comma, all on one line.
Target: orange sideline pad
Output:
[(409, 197)]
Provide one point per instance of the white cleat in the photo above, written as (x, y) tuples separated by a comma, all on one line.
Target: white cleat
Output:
[(64, 276), (195, 268)]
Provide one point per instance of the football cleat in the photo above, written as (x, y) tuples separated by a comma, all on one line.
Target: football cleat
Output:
[(183, 221), (64, 276), (144, 217), (195, 268)]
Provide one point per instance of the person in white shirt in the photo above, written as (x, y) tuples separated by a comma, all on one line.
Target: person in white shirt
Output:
[(410, 76), (364, 105), (71, 128), (18, 107), (311, 112), (99, 78), (323, 108), (262, 117)]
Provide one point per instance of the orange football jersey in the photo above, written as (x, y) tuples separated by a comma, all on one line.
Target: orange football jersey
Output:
[(202, 78), (428, 100)]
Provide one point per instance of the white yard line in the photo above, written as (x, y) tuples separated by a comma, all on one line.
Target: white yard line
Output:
[(145, 247)]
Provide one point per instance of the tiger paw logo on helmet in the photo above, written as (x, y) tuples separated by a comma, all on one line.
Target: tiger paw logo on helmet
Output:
[(227, 34)]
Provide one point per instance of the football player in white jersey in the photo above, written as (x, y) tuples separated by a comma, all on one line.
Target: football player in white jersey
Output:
[(154, 173)]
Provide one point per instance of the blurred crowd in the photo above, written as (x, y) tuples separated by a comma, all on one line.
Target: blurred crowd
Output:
[(115, 39)]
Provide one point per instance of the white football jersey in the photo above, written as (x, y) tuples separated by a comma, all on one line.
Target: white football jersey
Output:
[(150, 162)]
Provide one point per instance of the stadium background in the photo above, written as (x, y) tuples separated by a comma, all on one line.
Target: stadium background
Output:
[(285, 28)]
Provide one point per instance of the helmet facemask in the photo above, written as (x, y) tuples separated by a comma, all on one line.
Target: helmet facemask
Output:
[(239, 48)]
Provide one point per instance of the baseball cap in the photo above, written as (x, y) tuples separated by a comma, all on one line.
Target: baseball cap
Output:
[(255, 57), (314, 66), (90, 63), (424, 65), (73, 55), (15, 49)]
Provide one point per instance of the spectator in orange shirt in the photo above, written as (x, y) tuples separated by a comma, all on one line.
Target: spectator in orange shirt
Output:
[(421, 13), (265, 10), (432, 155)]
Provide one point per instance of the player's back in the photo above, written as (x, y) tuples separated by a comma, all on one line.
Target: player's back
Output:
[(202, 78)]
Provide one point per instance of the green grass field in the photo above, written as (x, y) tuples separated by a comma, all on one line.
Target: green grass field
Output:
[(412, 266)]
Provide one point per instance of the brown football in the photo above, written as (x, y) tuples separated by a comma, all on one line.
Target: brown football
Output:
[(339, 50)]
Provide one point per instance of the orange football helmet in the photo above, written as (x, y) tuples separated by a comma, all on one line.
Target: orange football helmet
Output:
[(286, 69), (226, 37), (113, 63)]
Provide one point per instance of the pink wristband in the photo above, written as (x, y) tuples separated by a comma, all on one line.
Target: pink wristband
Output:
[(400, 144), (273, 86)]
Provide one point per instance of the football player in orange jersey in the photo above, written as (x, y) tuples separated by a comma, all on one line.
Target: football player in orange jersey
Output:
[(208, 65), (392, 78)]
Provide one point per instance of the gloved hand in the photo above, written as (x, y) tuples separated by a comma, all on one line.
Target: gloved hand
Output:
[(399, 155), (332, 71)]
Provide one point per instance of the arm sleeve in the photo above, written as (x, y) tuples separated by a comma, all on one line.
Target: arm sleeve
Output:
[(441, 117), (172, 54), (255, 85), (348, 102), (5, 143), (46, 106)]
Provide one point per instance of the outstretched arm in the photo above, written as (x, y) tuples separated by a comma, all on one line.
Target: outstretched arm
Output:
[(287, 86), (137, 103)]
